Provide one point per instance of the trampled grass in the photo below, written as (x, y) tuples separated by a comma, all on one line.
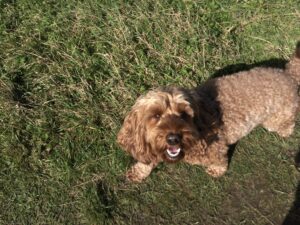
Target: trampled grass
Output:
[(69, 72)]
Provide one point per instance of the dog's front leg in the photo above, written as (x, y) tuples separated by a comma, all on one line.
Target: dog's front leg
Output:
[(214, 158), (216, 170), (217, 159), (139, 171)]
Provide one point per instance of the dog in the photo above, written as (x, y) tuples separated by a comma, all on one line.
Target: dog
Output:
[(198, 125)]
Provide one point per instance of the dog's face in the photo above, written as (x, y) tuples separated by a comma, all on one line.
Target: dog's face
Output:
[(159, 127)]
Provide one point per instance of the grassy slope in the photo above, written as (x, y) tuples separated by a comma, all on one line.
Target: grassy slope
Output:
[(70, 70)]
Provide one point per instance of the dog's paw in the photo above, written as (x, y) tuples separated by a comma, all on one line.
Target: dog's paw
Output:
[(133, 176), (138, 172), (216, 170)]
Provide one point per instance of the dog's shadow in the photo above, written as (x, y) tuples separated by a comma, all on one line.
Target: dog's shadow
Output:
[(293, 216), (235, 68)]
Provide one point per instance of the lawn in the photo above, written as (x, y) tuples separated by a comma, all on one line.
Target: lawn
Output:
[(71, 70)]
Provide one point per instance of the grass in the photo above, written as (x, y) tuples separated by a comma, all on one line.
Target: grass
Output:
[(69, 72)]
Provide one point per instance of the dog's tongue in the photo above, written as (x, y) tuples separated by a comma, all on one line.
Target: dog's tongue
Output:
[(173, 151)]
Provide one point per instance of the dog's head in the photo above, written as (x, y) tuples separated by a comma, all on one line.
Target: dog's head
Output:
[(160, 126)]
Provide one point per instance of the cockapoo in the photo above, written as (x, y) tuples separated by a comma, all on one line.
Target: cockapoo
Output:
[(197, 125)]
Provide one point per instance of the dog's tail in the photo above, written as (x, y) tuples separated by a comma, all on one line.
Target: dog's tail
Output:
[(293, 67)]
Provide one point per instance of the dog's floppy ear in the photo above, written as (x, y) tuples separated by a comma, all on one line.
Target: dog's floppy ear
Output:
[(131, 137)]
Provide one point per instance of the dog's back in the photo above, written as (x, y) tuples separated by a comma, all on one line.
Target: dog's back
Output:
[(260, 96)]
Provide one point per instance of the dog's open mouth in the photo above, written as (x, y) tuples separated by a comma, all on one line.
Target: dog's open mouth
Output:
[(173, 152)]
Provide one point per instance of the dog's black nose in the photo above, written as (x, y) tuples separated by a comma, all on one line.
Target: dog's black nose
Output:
[(173, 139)]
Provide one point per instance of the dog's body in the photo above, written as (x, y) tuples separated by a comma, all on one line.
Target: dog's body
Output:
[(198, 125)]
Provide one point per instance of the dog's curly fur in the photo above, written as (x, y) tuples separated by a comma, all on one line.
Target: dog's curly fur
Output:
[(209, 118)]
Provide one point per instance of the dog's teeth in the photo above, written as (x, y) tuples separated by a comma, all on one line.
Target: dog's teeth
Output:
[(172, 153)]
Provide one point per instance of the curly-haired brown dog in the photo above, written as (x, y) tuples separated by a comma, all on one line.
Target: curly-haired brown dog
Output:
[(198, 125)]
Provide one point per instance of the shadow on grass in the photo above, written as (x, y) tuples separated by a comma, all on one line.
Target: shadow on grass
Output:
[(19, 89), (106, 198), (235, 68), (293, 217), (231, 150)]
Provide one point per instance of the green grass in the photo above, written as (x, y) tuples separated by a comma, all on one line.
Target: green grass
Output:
[(69, 72)]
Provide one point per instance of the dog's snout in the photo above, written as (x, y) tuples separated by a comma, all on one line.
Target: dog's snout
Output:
[(173, 139)]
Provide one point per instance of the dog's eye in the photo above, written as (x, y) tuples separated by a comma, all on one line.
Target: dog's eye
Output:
[(156, 116), (184, 115)]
